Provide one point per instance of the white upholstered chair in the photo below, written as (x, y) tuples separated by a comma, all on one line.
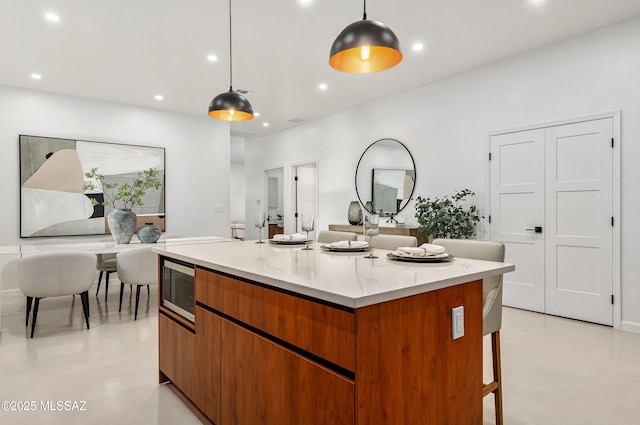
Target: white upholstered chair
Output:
[(329, 236), (137, 266), (56, 274), (393, 242), (491, 305)]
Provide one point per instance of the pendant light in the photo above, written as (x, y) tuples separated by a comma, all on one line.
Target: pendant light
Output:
[(230, 106), (365, 46)]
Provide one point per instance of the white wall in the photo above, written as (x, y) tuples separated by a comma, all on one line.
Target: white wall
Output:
[(445, 126), (197, 154)]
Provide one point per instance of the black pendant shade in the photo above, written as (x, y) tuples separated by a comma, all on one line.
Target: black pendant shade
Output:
[(365, 46), (230, 106)]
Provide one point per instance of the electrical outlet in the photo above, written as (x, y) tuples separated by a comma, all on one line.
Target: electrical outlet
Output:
[(457, 322)]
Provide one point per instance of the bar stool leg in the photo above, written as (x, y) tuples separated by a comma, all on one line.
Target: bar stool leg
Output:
[(497, 376)]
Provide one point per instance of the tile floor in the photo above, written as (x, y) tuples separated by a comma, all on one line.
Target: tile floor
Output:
[(555, 371)]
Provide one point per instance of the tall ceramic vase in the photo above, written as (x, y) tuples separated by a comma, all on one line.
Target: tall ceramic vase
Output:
[(355, 213), (122, 223)]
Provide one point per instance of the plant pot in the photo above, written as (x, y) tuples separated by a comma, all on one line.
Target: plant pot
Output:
[(149, 233), (122, 223), (355, 213)]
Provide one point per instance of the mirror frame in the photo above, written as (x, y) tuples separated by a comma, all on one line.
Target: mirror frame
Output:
[(370, 172)]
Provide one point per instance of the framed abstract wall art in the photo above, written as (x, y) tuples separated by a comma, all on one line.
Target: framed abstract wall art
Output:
[(53, 201)]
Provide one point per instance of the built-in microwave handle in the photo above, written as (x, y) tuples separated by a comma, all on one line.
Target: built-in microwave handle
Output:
[(179, 267)]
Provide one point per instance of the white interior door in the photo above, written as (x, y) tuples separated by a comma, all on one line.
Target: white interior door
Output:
[(305, 194), (579, 235), (517, 204), (559, 179)]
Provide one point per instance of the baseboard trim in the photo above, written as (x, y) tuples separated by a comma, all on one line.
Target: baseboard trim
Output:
[(10, 293), (625, 325)]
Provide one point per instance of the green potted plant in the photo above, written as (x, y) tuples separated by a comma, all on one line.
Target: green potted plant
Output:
[(122, 197), (451, 216)]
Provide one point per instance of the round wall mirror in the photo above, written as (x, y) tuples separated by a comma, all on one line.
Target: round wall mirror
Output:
[(385, 177)]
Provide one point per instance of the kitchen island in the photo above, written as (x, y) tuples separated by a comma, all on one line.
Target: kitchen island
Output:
[(287, 336)]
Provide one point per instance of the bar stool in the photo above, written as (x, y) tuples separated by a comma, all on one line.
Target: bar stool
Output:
[(491, 305)]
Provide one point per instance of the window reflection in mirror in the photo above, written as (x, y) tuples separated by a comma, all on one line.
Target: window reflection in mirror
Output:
[(385, 177)]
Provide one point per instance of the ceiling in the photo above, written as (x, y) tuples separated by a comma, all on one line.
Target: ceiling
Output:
[(128, 51)]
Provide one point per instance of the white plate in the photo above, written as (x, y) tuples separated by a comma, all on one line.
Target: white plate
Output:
[(287, 242), (431, 259), (345, 248)]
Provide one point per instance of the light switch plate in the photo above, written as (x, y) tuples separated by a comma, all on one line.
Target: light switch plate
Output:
[(457, 322)]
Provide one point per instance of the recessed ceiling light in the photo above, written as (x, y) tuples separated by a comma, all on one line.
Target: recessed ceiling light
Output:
[(256, 114), (265, 124), (52, 17), (537, 3), (212, 58), (323, 86), (36, 76), (159, 97), (417, 47), (305, 2)]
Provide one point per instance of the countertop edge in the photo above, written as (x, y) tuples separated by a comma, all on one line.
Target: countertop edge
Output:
[(333, 297)]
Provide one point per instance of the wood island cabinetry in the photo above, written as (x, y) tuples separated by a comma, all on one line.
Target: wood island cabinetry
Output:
[(264, 355)]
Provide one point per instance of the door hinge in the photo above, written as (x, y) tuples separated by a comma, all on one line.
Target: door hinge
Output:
[(296, 215), (296, 178), (612, 141), (611, 298), (611, 221), (489, 156), (489, 219)]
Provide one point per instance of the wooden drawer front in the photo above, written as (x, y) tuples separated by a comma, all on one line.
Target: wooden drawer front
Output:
[(227, 295), (264, 383), (207, 288), (176, 355), (322, 330), (319, 329), (289, 389)]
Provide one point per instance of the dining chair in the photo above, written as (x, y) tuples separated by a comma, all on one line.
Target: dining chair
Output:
[(137, 266), (393, 242), (329, 236), (491, 305), (106, 263), (56, 274)]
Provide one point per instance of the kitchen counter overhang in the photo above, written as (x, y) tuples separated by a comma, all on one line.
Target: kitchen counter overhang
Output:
[(346, 279)]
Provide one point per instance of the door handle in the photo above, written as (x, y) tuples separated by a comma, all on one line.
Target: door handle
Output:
[(537, 229)]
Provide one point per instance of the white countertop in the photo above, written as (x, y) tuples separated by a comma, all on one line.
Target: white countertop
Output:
[(101, 247), (346, 279)]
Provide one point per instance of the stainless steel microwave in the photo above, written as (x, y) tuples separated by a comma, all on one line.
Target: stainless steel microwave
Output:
[(177, 289)]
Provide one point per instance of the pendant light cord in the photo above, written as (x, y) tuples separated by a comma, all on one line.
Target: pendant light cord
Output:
[(230, 52), (364, 15)]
